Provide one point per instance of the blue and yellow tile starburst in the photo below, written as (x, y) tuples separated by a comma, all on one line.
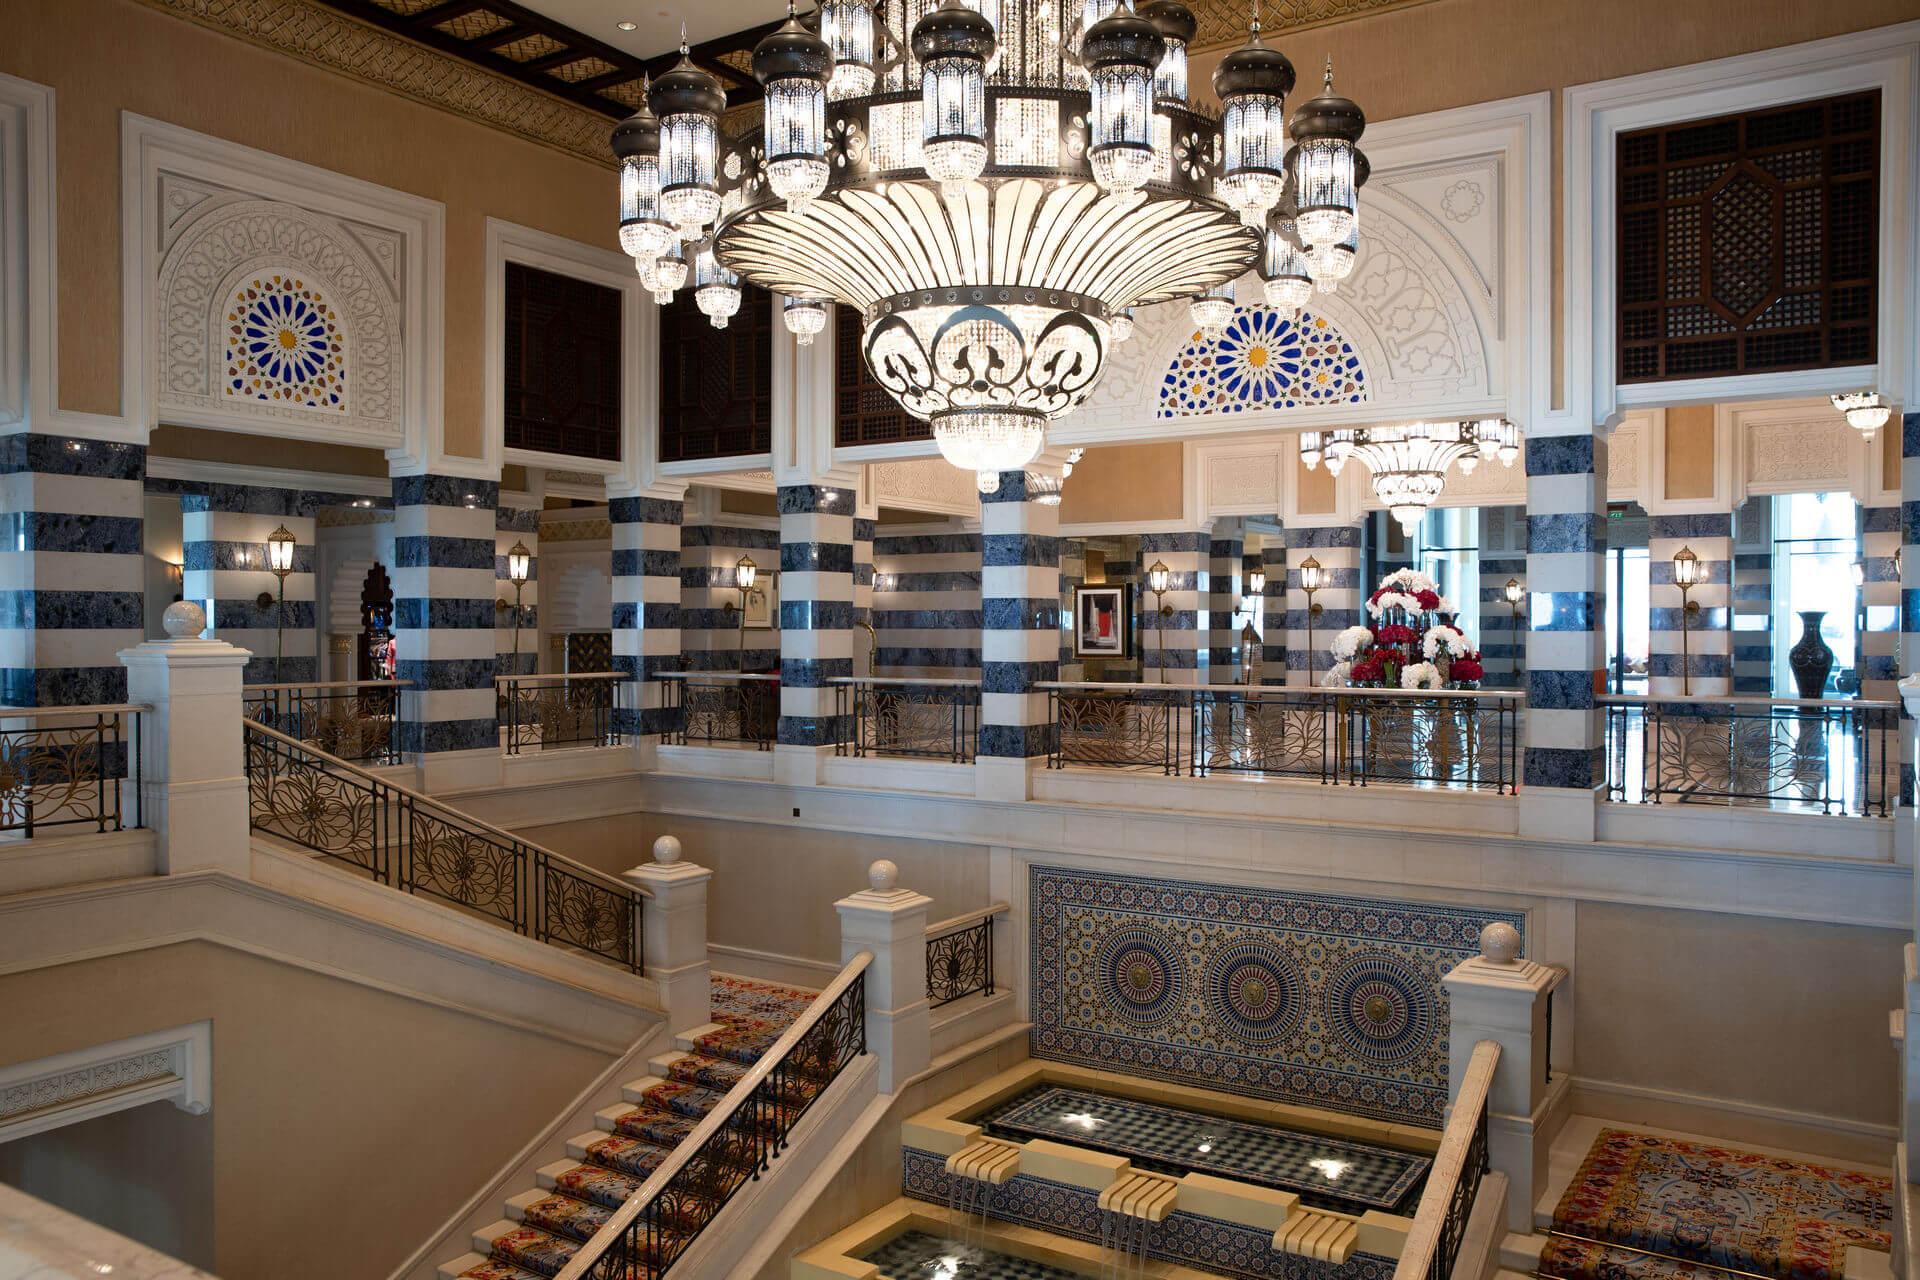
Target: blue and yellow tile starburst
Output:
[(1263, 360), (284, 345)]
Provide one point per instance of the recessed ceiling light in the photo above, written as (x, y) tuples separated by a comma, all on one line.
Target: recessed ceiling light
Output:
[(627, 26)]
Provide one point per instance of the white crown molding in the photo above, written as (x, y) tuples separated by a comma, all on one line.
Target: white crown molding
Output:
[(192, 469), (161, 1066)]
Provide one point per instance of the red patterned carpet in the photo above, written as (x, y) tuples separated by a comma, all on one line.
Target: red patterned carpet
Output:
[(1644, 1207)]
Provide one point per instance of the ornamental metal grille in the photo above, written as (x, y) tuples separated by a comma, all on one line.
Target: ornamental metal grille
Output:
[(563, 365), (1750, 243), (863, 412), (716, 385)]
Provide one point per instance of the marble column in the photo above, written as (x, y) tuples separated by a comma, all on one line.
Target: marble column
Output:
[(1273, 604), (816, 623), (511, 526), (443, 594), (1019, 635), (646, 609), (224, 534), (1337, 549), (1880, 604), (1173, 648), (1073, 573), (1753, 636), (1709, 629), (1223, 602)]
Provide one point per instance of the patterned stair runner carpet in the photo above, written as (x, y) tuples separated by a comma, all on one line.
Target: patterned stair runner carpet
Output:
[(1650, 1208), (751, 1016)]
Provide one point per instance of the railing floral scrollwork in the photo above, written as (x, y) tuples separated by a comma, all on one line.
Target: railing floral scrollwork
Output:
[(960, 956), (69, 766), (706, 708), (929, 719), (1462, 740), (1135, 726), (538, 713), (356, 720), (412, 842), (1267, 731), (739, 1138)]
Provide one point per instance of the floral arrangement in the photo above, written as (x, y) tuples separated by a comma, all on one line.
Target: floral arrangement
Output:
[(1410, 644)]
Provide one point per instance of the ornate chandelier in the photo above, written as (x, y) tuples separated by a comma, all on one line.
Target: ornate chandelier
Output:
[(1408, 465), (995, 189)]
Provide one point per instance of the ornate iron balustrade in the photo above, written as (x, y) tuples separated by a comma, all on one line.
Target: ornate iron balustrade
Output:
[(960, 955), (1272, 731), (69, 766), (736, 1142), (705, 707), (538, 713), (1440, 1221), (1467, 740), (929, 719), (1118, 726), (414, 843), (1829, 755), (356, 720)]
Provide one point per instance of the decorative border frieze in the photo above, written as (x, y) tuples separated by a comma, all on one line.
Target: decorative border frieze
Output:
[(162, 1066)]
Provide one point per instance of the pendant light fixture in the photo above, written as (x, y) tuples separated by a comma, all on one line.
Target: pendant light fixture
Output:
[(1328, 168), (644, 233), (716, 290), (952, 44), (805, 319), (688, 102), (848, 28), (1120, 53), (1284, 269), (793, 65), (1177, 27), (1252, 83)]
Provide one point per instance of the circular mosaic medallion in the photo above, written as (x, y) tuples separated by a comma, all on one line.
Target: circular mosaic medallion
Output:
[(1139, 975), (1381, 1008), (1263, 359), (1252, 992), (284, 345)]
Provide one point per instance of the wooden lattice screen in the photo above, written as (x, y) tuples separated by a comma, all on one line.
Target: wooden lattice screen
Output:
[(1750, 243), (716, 385), (563, 365), (863, 412)]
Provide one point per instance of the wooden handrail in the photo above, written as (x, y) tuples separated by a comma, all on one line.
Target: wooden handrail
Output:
[(608, 1236), (49, 713), (1278, 690), (1449, 1164), (715, 675), (1739, 700), (563, 675), (328, 684), (906, 680), (967, 918), (452, 814)]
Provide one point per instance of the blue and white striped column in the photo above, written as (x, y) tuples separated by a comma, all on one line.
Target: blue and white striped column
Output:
[(443, 594), (72, 574), (1566, 637), (1880, 604), (1019, 635), (1502, 632), (1337, 548), (926, 605), (1223, 601), (1173, 647), (816, 623), (516, 525), (1709, 639), (1909, 586), (866, 649), (646, 611), (224, 536), (711, 637), (1073, 573), (1273, 622)]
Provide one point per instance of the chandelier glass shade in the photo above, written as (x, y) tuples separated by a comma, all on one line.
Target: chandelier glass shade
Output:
[(993, 187), (1866, 412), (1408, 465)]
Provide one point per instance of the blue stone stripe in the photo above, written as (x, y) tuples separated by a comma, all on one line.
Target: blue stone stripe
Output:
[(1564, 531), (816, 557), (446, 673), (220, 555), (247, 613), (1330, 536), (1020, 613), (1575, 768), (413, 614), (417, 551), (1559, 455), (516, 519), (1151, 543), (644, 511), (816, 615), (49, 455), (1002, 549), (445, 491), (1717, 524), (415, 737), (927, 544), (55, 610), (59, 531)]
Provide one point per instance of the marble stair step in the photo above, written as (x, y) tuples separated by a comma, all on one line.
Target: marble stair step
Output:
[(685, 1039), (1521, 1253), (477, 1266)]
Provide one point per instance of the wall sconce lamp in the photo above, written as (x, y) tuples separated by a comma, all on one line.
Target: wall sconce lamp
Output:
[(279, 564), (1686, 576), (1515, 594), (1312, 579), (745, 574), (519, 569), (1256, 584), (1159, 578)]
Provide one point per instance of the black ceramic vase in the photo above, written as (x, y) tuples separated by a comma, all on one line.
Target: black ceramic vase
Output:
[(1810, 660)]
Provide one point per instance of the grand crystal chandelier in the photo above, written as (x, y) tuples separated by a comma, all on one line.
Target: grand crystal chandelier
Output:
[(1408, 464), (994, 189)]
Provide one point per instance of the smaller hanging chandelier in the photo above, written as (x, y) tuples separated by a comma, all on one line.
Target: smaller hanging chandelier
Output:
[(1328, 168), (644, 233), (668, 274), (1120, 324), (805, 317), (1212, 311), (1288, 277), (1046, 489), (793, 65), (1252, 83), (688, 102), (1177, 27), (1120, 53), (716, 290), (953, 44), (1408, 465), (1866, 411), (847, 26)]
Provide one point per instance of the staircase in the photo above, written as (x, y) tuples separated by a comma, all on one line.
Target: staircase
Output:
[(546, 1225)]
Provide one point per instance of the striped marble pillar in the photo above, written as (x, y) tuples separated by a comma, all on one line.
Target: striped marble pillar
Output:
[(1172, 646), (443, 594), (72, 576), (926, 605), (816, 623), (866, 639), (646, 610), (223, 535), (1019, 635), (1337, 549), (1502, 631), (1879, 603), (1073, 573), (1709, 639), (711, 637), (519, 525), (1273, 624), (1909, 586), (1223, 601), (1753, 595), (1564, 767)]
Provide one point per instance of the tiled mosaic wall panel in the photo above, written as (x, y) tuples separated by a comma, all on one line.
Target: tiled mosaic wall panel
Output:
[(926, 605), (1316, 998)]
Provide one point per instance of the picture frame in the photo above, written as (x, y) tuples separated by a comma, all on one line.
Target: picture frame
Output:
[(1103, 621), (763, 603)]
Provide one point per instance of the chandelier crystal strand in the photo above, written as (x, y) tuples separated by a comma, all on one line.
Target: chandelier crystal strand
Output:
[(1284, 268), (1333, 263), (953, 44), (716, 290), (848, 26), (1120, 53), (794, 65), (1177, 28), (644, 233), (688, 102), (805, 318), (1252, 83), (669, 273), (1328, 168)]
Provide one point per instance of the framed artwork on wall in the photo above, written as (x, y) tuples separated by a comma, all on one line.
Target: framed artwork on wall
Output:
[(763, 602), (1103, 621)]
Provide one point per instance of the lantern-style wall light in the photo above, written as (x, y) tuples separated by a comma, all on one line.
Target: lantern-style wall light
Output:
[(280, 545), (1312, 579), (1159, 579), (1686, 576)]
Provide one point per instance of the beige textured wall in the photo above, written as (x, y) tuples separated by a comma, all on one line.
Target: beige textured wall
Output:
[(103, 57), (1124, 482), (1314, 488), (347, 1122), (1775, 1012), (1690, 451), (773, 888)]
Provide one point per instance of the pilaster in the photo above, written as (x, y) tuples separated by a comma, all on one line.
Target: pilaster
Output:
[(891, 922)]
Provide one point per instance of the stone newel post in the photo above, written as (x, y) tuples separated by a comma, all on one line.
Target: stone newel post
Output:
[(1499, 996), (674, 929), (193, 778), (891, 922)]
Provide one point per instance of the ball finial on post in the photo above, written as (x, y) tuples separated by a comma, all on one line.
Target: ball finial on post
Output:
[(666, 850), (184, 620), (1500, 943), (883, 876)]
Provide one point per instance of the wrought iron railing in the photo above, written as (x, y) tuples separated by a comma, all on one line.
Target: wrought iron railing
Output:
[(1118, 726), (356, 720), (929, 719), (539, 713), (1450, 738), (704, 708), (960, 955), (1440, 1222), (736, 1142), (69, 767), (414, 843), (1828, 756)]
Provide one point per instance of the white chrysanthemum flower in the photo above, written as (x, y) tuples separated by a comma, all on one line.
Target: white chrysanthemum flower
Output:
[(1420, 675), (1351, 641), (1337, 676), (1440, 635)]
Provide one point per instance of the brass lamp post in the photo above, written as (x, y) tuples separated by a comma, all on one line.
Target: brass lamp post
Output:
[(745, 573), (1159, 578), (519, 566), (279, 564), (1686, 576), (1256, 591), (1312, 578)]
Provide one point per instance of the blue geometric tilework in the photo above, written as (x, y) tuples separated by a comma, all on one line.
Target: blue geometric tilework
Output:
[(284, 345), (1263, 360), (1317, 998), (1222, 1248)]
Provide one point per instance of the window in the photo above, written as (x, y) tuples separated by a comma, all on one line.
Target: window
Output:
[(563, 365), (1447, 549), (1815, 542)]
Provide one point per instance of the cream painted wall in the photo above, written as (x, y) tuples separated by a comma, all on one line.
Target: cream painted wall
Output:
[(1774, 1013), (1124, 483), (1690, 456), (347, 1122)]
